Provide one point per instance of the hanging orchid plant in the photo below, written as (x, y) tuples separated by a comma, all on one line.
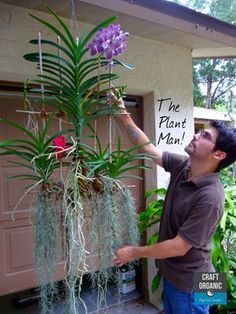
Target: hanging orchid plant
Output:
[(72, 83)]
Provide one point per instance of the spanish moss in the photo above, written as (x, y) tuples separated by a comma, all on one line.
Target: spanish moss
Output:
[(46, 249)]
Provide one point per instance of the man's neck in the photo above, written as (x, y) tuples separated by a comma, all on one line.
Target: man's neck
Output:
[(200, 169)]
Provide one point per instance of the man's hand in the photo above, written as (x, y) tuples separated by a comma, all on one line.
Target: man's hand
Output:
[(136, 135), (118, 100), (124, 255), (164, 249)]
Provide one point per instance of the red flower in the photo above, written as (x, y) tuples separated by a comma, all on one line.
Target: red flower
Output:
[(60, 146)]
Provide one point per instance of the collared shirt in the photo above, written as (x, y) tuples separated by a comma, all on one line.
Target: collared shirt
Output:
[(192, 210)]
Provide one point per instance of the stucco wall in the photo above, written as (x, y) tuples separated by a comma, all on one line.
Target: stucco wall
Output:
[(162, 71)]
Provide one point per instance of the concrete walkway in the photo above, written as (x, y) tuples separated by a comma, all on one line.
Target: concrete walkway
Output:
[(130, 303), (132, 307)]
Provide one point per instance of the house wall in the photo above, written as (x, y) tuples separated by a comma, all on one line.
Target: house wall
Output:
[(162, 71)]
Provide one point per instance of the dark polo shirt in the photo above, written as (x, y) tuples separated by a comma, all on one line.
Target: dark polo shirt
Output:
[(192, 209)]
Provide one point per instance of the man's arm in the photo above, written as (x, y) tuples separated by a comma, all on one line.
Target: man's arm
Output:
[(168, 248), (137, 136)]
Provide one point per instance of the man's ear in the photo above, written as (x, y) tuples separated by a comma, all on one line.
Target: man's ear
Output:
[(219, 154)]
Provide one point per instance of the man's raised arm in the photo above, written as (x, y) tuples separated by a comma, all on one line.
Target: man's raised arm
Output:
[(136, 135)]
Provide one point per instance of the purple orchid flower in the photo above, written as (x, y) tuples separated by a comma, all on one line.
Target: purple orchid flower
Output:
[(109, 41)]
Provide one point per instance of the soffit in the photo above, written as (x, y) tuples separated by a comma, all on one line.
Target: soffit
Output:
[(144, 22)]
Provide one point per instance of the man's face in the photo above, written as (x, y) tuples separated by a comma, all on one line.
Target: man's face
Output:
[(202, 144)]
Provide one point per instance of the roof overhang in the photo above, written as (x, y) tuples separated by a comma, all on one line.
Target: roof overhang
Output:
[(204, 114), (157, 20)]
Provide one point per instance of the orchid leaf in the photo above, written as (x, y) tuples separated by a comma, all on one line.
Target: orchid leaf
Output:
[(25, 177), (46, 58), (20, 128), (69, 44), (53, 44), (72, 41), (125, 65), (21, 164)]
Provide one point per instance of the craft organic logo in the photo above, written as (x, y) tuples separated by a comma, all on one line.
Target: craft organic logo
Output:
[(210, 288)]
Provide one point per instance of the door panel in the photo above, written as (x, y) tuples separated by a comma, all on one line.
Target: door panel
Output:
[(16, 262), (11, 193)]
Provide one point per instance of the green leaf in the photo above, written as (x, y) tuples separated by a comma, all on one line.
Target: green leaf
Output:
[(20, 128), (93, 81), (155, 282), (19, 154), (128, 176), (21, 164), (153, 239), (25, 177), (66, 85), (34, 57), (59, 88), (223, 220), (233, 264), (22, 149), (13, 141), (42, 134), (126, 65), (161, 192), (72, 41), (69, 44), (88, 66), (155, 220), (60, 68), (59, 74), (232, 220), (53, 44)]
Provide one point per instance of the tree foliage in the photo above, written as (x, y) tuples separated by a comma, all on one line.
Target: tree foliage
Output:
[(218, 78), (214, 78), (223, 10)]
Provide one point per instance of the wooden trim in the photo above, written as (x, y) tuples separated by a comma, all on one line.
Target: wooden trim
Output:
[(143, 267), (11, 86), (144, 239)]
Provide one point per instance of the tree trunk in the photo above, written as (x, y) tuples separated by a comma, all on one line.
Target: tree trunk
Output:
[(209, 90), (230, 105)]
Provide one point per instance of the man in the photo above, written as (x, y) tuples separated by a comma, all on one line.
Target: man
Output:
[(193, 207)]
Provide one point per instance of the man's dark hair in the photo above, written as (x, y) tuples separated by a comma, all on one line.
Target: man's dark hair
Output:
[(226, 141)]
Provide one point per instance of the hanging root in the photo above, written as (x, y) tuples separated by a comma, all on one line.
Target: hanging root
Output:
[(75, 240)]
